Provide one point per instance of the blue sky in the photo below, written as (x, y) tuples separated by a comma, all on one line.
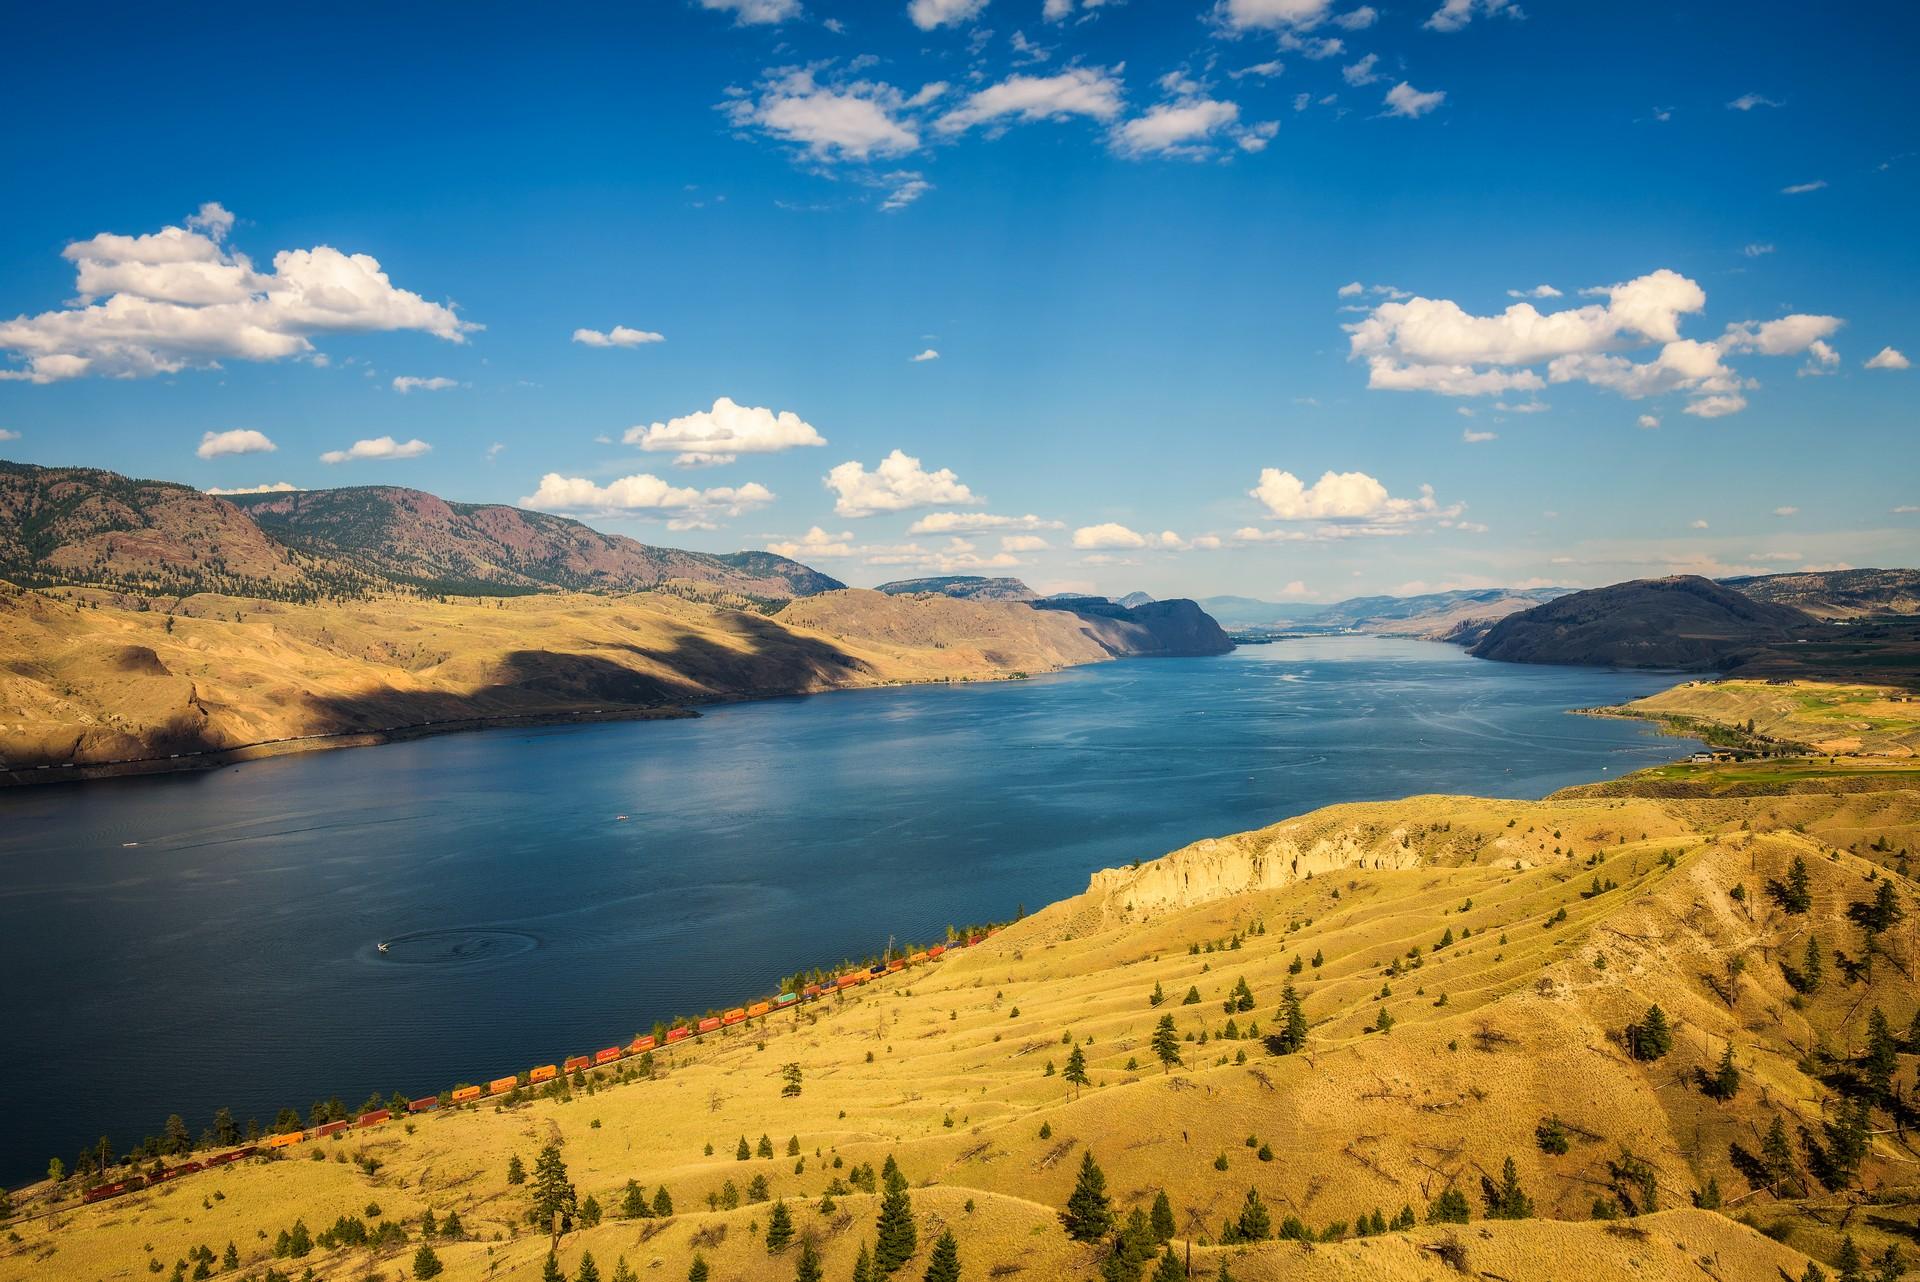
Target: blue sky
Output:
[(1176, 263)]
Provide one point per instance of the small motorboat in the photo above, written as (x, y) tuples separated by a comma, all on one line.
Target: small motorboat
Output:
[(620, 818), (382, 945)]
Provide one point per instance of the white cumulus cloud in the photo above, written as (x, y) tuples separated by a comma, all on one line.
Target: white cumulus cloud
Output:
[(240, 440), (618, 336), (1888, 358), (276, 487), (1079, 91), (708, 438), (816, 542), (930, 14), (181, 298), (855, 120), (972, 522), (928, 355), (1452, 15), (755, 12), (379, 447), (647, 495), (1404, 100), (1348, 498), (898, 483), (407, 383)]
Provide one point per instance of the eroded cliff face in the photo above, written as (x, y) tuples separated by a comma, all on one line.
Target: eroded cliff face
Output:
[(1267, 859)]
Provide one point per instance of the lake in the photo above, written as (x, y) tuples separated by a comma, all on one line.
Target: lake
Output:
[(230, 957)]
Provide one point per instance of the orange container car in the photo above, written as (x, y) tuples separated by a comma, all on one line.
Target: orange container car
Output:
[(466, 1093), (285, 1139), (758, 1009), (641, 1045), (544, 1073), (733, 1016), (501, 1085)]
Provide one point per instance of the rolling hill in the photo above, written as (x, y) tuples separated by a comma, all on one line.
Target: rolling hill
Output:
[(965, 587), (1685, 622), (1837, 594), (1464, 1093)]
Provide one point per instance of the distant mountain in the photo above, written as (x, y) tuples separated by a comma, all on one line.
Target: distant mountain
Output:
[(1837, 594), (83, 525), (1681, 622), (1239, 613), (1171, 627), (1135, 598), (963, 587), (1437, 616), (469, 549)]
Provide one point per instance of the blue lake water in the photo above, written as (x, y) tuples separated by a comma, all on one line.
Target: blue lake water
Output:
[(230, 957)]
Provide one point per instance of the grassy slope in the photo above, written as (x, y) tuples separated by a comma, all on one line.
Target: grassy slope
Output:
[(1359, 1120), (99, 684), (1830, 717)]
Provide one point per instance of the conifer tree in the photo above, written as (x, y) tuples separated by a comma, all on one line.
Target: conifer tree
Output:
[(425, 1263), (1652, 1037), (863, 1264), (807, 1267), (553, 1195), (697, 1271), (588, 1271), (895, 1237), (1507, 1200), (1254, 1223), (633, 1203), (662, 1202), (944, 1266), (1169, 1269), (516, 1173), (1076, 1074), (1292, 1019), (742, 1153), (1852, 1266), (779, 1227), (622, 1271), (1797, 895), (552, 1272), (1156, 996), (1882, 1059), (1166, 1043), (1089, 1213), (1725, 1082), (1162, 1218)]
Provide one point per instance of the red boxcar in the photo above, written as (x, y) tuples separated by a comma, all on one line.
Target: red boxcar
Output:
[(101, 1192), (975, 939), (374, 1118), (936, 950), (331, 1128), (811, 990), (576, 1062), (897, 963), (233, 1155), (608, 1055), (678, 1033), (425, 1104), (710, 1023)]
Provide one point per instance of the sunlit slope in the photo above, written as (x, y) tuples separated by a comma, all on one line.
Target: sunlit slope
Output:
[(96, 678), (946, 1068)]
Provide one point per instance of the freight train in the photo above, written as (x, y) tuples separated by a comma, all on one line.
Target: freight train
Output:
[(676, 1034)]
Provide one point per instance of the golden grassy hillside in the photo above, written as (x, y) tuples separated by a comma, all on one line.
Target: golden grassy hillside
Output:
[(88, 677), (1828, 717), (1567, 919)]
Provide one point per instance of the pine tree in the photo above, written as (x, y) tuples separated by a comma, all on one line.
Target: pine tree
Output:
[(1882, 1059), (1797, 895), (896, 1238), (516, 1173), (779, 1227), (552, 1272), (1652, 1037), (1156, 996), (588, 1271), (1507, 1200), (1725, 1082), (1777, 1152), (944, 1266), (553, 1196), (743, 1153), (1890, 1267), (765, 1148), (697, 1271), (807, 1267), (863, 1264), (662, 1203), (1851, 1265), (622, 1272), (1254, 1224), (1089, 1213), (633, 1203), (1166, 1043), (1449, 1208), (1169, 1270), (451, 1226), (1162, 1218), (1076, 1074), (1292, 1019)]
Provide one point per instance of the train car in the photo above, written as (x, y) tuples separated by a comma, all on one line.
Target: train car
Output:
[(811, 991), (848, 981), (916, 959), (974, 941), (758, 1009), (678, 1033), (232, 1155), (466, 1094), (501, 1085), (425, 1104), (331, 1128), (543, 1073), (641, 1045), (934, 953), (285, 1139), (733, 1016), (373, 1117), (898, 963), (785, 1000), (607, 1056), (708, 1024), (101, 1192), (575, 1063), (878, 968)]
